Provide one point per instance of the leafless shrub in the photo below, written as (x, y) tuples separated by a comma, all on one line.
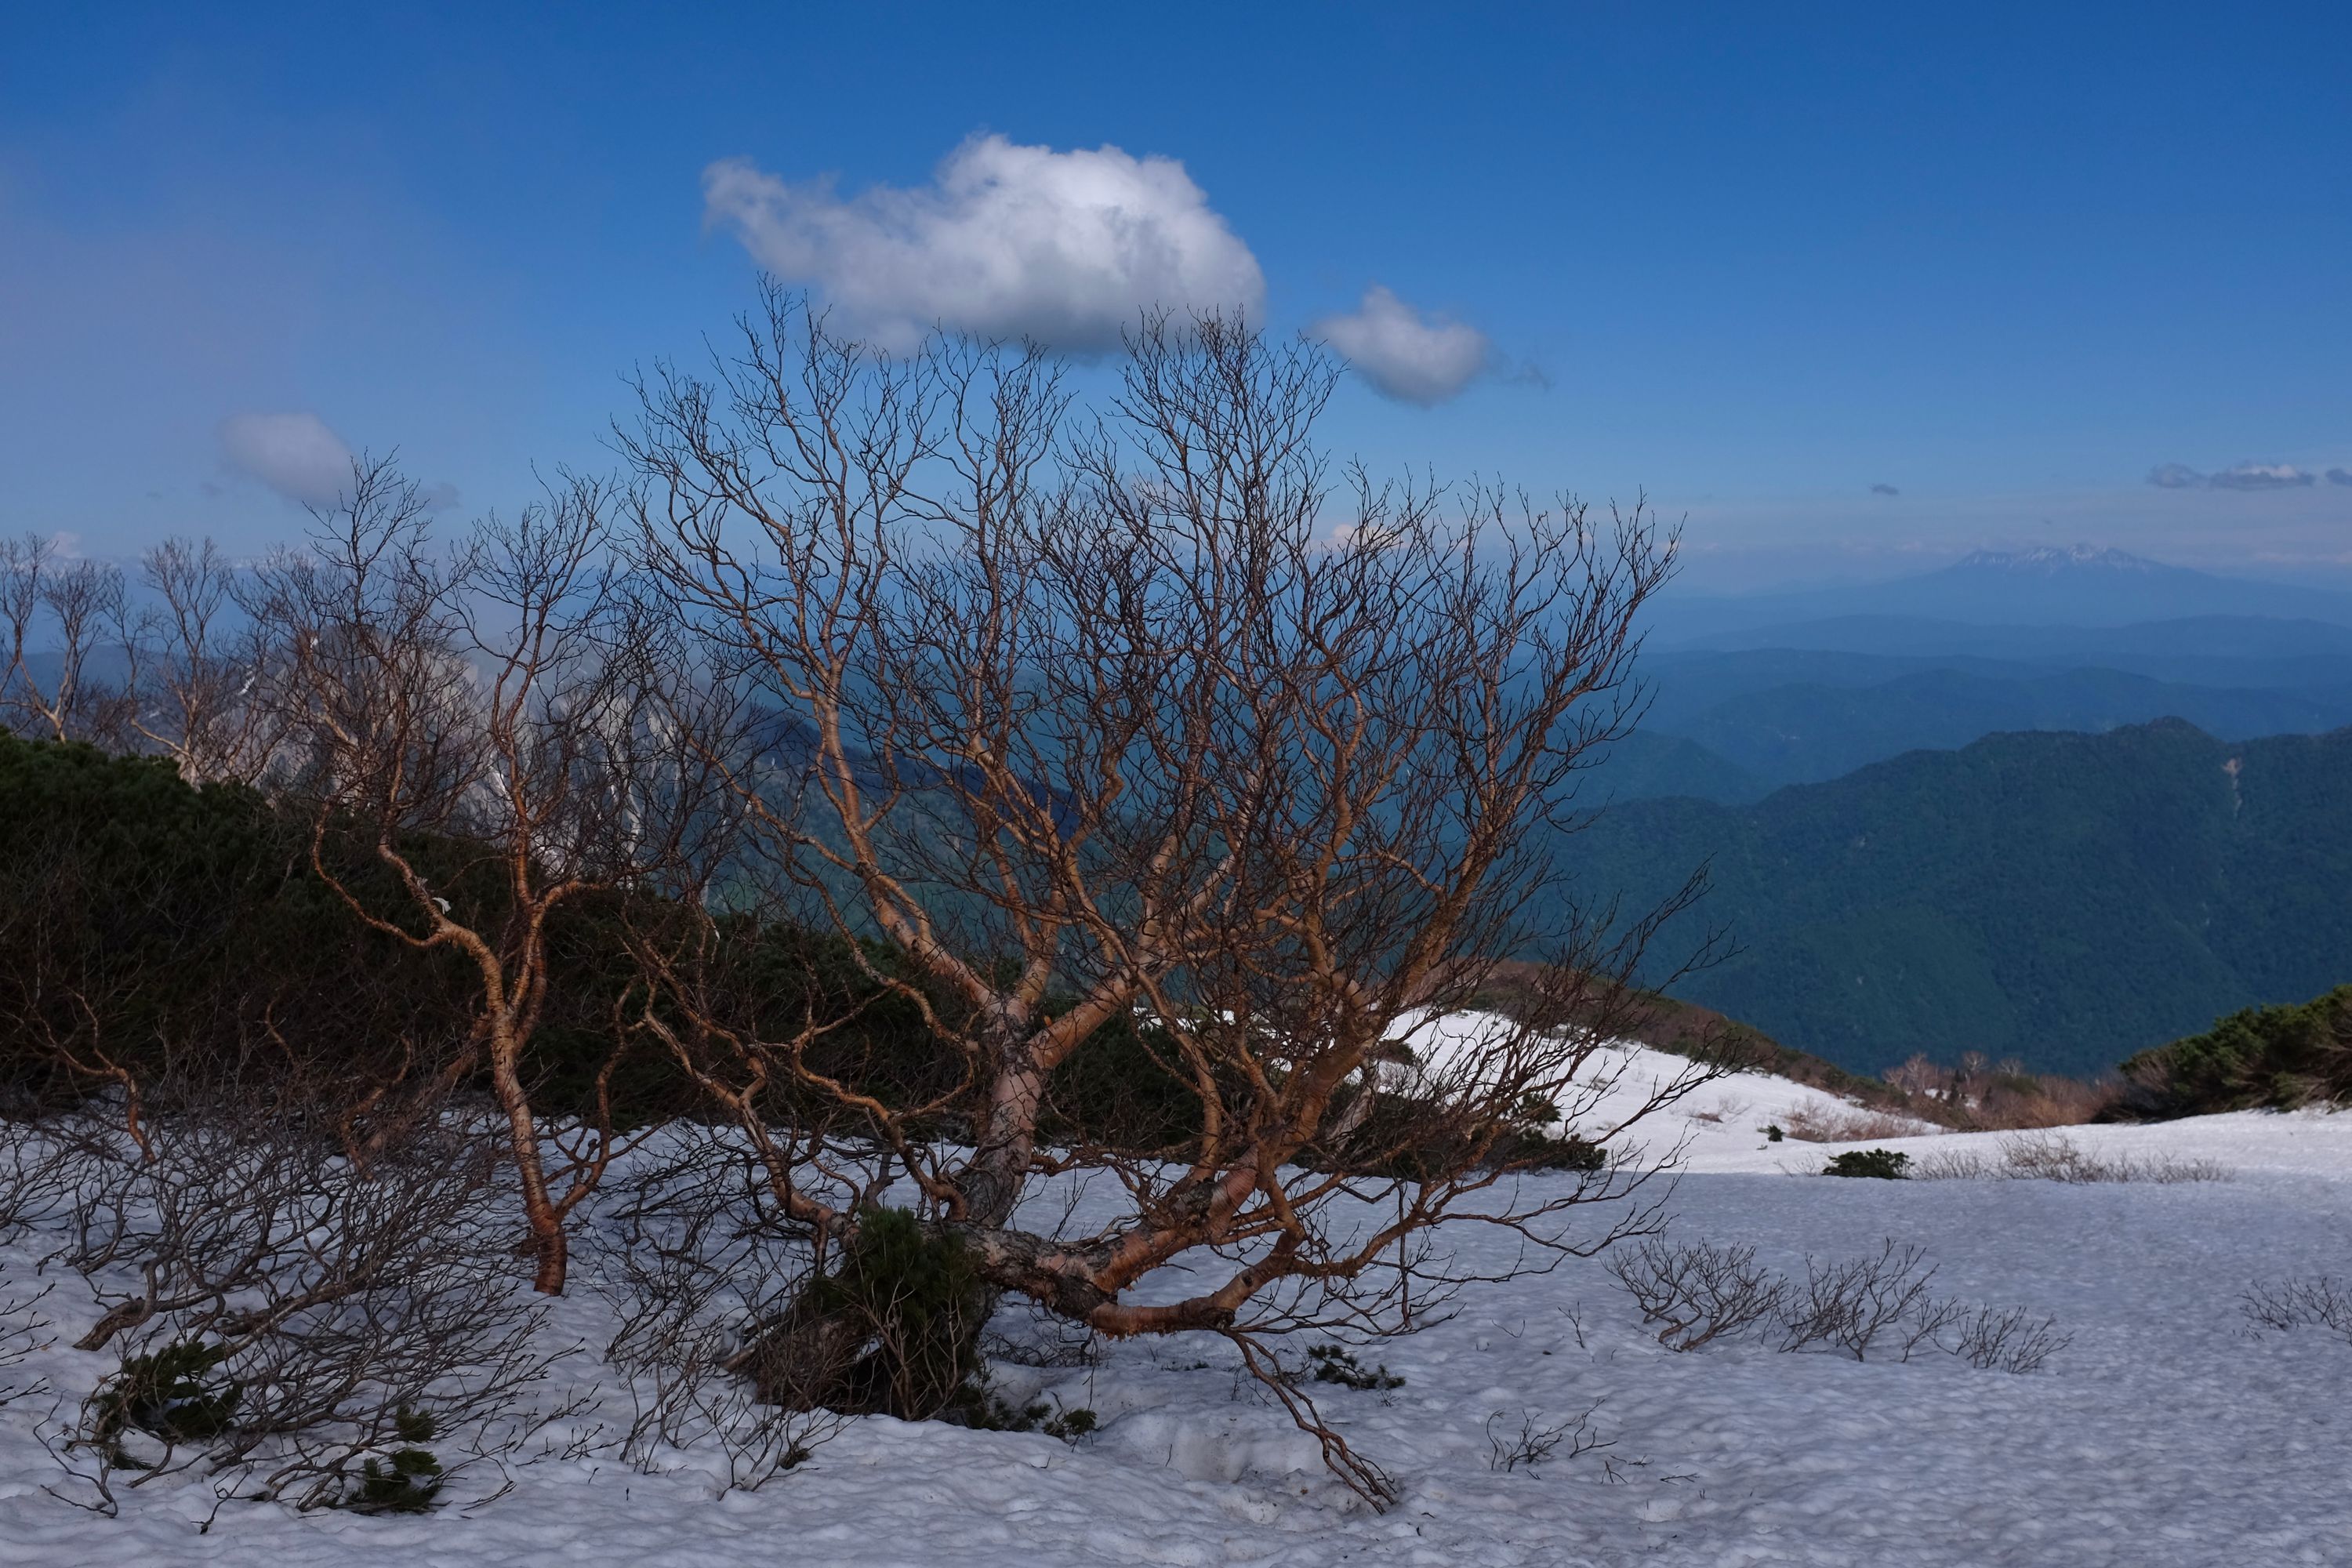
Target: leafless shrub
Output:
[(504, 700), (32, 1177), (212, 1203), (2052, 1156), (1814, 1125), (1536, 1442), (1701, 1293), (1968, 1165), (1696, 1291), (1730, 1107), (2010, 1339), (1023, 1335), (24, 1330), (2317, 1301), (63, 608), (1852, 1305), (328, 1317), (1925, 1325), (197, 672), (2055, 1157), (691, 1261), (1977, 1095), (1849, 1304)]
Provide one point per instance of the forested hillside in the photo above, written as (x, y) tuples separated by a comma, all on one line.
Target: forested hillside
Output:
[(2065, 899)]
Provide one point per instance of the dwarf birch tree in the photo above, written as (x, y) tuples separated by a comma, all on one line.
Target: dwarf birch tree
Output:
[(1144, 721)]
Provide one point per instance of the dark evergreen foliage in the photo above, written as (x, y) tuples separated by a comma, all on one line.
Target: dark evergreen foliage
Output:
[(177, 1395), (1883, 1164), (2277, 1057), (409, 1480), (914, 1292)]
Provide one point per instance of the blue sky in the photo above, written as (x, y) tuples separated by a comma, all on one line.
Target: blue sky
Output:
[(2007, 264)]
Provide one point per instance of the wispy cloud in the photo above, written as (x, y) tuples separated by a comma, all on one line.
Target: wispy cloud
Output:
[(2339, 476), (1412, 357), (1005, 241), (2238, 477), (294, 454), (2262, 477), (1884, 490)]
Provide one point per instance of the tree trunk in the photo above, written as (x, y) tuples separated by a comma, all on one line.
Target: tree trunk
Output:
[(1007, 1139), (548, 1242)]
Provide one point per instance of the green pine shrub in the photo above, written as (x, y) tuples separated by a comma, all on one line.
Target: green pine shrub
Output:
[(179, 1394), (1885, 1165), (921, 1302), (409, 1480), (2280, 1058), (980, 1407), (1337, 1363)]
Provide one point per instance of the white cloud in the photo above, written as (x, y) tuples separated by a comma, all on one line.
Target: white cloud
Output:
[(294, 454), (2261, 476), (2240, 477), (1005, 241), (1403, 353)]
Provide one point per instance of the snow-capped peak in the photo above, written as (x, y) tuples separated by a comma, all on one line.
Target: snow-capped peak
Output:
[(2053, 560)]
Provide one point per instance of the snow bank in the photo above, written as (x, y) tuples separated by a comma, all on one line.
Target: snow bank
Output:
[(1714, 1127)]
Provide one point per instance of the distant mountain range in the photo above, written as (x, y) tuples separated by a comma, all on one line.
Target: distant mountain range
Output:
[(2077, 586), (1751, 694), (2153, 647), (1733, 727), (2062, 898)]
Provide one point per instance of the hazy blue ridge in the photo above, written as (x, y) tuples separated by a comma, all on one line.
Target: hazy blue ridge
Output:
[(2073, 586)]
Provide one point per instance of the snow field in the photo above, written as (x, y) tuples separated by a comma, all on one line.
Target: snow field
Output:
[(2166, 1433)]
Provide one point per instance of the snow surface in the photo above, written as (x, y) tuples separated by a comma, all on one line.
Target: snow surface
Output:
[(2167, 1433)]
